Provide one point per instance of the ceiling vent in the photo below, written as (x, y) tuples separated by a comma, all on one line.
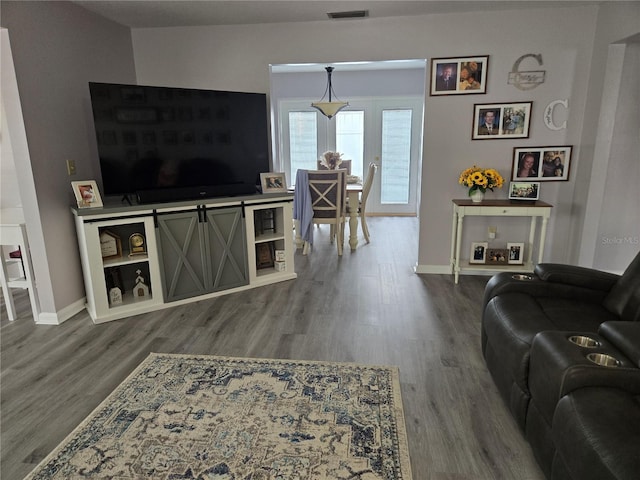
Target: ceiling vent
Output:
[(350, 14)]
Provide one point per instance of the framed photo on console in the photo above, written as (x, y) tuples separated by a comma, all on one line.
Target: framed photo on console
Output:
[(516, 251), (524, 190), (478, 252), (497, 256), (273, 182), (87, 194), (542, 164), (493, 121), (459, 76)]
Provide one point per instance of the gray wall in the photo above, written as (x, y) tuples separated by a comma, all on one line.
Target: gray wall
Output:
[(57, 48), (238, 57)]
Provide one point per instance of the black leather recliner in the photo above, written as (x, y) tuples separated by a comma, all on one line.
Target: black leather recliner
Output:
[(558, 367), (556, 298), (550, 385)]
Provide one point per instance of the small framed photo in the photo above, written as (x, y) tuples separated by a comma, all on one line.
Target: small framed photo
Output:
[(87, 194), (478, 252), (492, 121), (516, 251), (459, 76), (542, 164), (497, 256), (524, 190), (273, 182), (265, 253)]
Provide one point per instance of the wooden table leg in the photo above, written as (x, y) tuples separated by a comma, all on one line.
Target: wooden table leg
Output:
[(354, 199)]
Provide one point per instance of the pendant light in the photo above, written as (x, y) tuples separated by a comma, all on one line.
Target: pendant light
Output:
[(332, 107)]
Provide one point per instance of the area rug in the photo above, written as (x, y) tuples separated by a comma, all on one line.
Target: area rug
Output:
[(206, 417)]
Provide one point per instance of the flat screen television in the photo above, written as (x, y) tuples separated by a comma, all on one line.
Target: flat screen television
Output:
[(164, 144)]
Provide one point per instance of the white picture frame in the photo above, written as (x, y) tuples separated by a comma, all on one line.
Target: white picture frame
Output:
[(87, 194), (524, 191), (516, 253), (273, 182), (478, 253)]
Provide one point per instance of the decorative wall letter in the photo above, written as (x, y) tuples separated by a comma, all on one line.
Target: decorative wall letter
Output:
[(526, 80), (548, 115)]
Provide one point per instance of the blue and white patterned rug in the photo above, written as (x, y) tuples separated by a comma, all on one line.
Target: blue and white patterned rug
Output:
[(219, 418)]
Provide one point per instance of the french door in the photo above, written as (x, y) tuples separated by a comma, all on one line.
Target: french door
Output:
[(385, 131)]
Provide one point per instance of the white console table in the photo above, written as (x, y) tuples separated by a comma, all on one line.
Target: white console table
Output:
[(498, 208)]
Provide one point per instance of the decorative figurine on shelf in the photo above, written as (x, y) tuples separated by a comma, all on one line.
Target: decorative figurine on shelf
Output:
[(140, 289), (137, 245), (115, 296), (113, 279)]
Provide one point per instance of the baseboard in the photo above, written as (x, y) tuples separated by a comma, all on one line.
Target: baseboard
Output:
[(436, 269), (63, 315)]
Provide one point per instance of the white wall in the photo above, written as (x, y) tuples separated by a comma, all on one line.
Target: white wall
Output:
[(237, 58), (58, 47), (613, 237)]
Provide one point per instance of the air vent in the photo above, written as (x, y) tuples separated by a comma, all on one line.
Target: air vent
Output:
[(351, 14)]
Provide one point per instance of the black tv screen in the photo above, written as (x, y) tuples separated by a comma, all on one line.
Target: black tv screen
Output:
[(179, 143)]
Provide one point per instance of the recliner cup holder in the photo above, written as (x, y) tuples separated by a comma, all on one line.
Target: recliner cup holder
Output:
[(521, 276), (603, 360), (584, 341)]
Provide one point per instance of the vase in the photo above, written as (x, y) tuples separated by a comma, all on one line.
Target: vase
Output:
[(477, 196)]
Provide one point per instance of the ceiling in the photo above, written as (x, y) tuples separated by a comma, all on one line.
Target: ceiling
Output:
[(183, 13)]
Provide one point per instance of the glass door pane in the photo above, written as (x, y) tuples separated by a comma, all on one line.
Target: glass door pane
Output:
[(303, 141), (396, 156), (350, 138)]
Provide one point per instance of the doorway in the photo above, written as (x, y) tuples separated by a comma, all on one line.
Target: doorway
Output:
[(384, 127)]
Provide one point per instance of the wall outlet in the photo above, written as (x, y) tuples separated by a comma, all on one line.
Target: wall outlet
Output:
[(71, 167), (492, 232)]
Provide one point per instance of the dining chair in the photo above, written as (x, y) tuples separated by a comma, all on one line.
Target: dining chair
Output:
[(328, 193), (345, 165), (366, 188)]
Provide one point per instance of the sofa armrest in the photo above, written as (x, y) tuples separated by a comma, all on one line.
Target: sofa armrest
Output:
[(576, 276)]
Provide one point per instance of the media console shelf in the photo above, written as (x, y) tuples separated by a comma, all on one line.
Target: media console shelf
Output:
[(137, 259), (498, 208)]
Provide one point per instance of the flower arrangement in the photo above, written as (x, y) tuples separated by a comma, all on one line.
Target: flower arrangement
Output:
[(482, 179), (331, 160)]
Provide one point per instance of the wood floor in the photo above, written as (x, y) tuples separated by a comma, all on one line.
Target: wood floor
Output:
[(366, 307)]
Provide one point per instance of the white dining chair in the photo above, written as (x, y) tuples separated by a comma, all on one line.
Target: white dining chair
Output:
[(362, 204), (328, 199)]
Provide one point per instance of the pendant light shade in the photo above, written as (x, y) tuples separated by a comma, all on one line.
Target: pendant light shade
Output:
[(332, 107)]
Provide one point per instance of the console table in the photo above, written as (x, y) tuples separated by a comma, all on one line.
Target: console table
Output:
[(141, 258), (498, 208)]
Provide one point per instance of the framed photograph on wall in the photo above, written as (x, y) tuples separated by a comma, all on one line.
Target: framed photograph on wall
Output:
[(478, 252), (516, 253), (493, 121), (273, 182), (524, 190), (459, 76), (87, 194), (542, 164)]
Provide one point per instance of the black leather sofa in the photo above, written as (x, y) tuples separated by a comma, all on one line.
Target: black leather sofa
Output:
[(550, 384)]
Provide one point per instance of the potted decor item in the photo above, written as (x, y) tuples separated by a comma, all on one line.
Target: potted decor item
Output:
[(331, 160), (479, 180)]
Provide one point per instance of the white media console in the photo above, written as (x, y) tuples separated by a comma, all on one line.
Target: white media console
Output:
[(141, 258)]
